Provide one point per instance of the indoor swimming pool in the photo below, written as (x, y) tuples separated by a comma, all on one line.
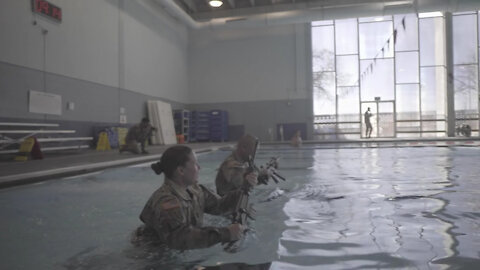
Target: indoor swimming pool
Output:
[(349, 208)]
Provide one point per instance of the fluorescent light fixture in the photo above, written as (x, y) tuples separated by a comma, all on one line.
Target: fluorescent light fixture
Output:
[(430, 14), (215, 3)]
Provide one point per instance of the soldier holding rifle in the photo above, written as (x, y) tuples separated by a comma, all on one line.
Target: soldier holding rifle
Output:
[(235, 174), (174, 213)]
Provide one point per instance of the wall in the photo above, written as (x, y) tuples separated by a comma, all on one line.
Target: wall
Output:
[(104, 55), (112, 54), (260, 75)]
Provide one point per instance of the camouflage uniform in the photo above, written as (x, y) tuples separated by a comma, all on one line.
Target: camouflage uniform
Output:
[(230, 176), (175, 215), (136, 134)]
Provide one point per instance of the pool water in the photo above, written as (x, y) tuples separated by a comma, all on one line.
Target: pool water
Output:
[(354, 208)]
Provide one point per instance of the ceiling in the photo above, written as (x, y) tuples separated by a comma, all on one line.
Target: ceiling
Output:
[(198, 13), (200, 10)]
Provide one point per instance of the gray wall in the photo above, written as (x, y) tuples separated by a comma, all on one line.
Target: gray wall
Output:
[(261, 117), (260, 75), (122, 53), (103, 56), (95, 104)]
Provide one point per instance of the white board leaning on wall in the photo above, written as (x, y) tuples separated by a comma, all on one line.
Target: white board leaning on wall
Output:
[(161, 118)]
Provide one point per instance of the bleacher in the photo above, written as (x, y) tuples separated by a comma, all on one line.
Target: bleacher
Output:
[(50, 137)]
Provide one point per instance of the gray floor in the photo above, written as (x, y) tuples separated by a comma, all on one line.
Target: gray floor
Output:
[(65, 163)]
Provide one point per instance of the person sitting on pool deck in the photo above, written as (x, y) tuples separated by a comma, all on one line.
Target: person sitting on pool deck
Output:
[(138, 134), (174, 213)]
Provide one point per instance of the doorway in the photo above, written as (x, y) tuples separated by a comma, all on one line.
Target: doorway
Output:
[(382, 119)]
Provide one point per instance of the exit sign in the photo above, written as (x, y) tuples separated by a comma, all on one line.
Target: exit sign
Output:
[(48, 9)]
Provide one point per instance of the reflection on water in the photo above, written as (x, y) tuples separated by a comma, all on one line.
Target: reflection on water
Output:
[(352, 208)]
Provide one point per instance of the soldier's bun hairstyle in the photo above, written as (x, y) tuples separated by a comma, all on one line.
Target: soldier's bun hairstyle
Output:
[(157, 167), (173, 157)]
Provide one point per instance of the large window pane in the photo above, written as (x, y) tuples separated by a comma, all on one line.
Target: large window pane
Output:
[(345, 36), (408, 102), (348, 105), (324, 93), (386, 124), (408, 127), (432, 41), (406, 67), (347, 70), (465, 39), (373, 38), (377, 79), (433, 92), (430, 126), (466, 94), (323, 49), (407, 32)]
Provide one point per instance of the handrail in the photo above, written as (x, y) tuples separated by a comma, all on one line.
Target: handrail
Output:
[(23, 131), (13, 151), (17, 124), (51, 139)]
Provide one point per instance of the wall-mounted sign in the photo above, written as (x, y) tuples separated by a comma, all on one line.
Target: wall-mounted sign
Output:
[(48, 9), (41, 102)]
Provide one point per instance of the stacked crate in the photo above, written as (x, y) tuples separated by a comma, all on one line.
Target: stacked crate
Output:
[(218, 120), (182, 123), (199, 126)]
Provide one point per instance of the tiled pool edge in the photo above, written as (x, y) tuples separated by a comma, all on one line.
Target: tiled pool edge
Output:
[(39, 176)]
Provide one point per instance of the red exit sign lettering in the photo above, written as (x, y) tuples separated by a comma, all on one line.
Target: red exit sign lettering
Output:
[(48, 9)]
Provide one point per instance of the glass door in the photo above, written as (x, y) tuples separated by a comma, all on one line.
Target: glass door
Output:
[(382, 119)]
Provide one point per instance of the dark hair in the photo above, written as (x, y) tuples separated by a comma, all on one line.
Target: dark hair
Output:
[(145, 120), (172, 158)]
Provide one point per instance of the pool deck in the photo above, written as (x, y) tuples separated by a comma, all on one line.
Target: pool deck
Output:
[(68, 163), (73, 162)]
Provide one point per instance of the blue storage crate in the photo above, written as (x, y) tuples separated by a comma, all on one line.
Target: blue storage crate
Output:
[(218, 120), (199, 126)]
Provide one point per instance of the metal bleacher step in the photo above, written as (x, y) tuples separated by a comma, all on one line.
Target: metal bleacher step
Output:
[(55, 139), (12, 124), (33, 131)]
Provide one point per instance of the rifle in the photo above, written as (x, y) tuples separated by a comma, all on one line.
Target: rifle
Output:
[(241, 212), (272, 163)]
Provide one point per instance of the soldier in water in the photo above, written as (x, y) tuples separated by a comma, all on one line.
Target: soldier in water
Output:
[(231, 175), (174, 213)]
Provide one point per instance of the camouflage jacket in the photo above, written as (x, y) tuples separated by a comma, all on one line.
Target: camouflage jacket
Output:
[(139, 134), (175, 215), (230, 175)]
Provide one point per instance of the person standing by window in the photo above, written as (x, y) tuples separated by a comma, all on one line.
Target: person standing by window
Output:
[(368, 131)]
